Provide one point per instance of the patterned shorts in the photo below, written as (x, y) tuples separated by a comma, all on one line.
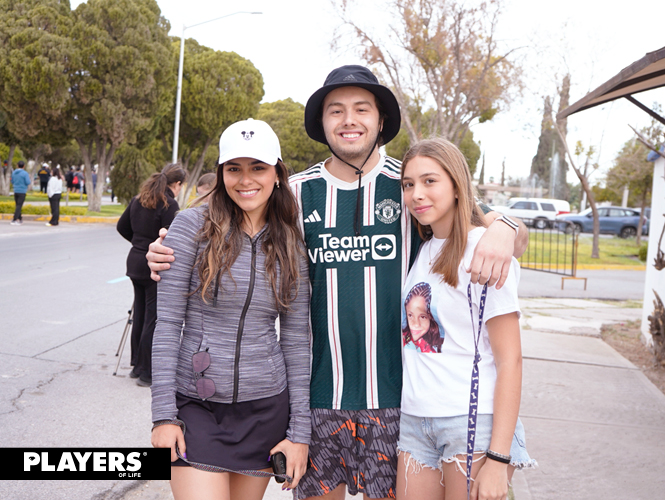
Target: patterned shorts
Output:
[(357, 448)]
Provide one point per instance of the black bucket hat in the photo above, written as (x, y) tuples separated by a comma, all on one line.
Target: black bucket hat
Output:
[(352, 76)]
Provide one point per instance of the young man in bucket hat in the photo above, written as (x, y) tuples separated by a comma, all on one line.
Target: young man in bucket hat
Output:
[(359, 243)]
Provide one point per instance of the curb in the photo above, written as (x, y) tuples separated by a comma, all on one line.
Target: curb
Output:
[(593, 267), (611, 267), (64, 218)]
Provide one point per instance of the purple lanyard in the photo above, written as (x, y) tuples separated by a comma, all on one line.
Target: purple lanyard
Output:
[(473, 397)]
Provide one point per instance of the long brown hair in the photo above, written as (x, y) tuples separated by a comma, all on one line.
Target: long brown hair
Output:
[(467, 212), (153, 190), (282, 242)]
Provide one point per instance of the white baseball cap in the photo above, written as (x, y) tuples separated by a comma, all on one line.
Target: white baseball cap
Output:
[(249, 139)]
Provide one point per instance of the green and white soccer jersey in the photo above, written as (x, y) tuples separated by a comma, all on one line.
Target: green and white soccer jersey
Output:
[(356, 285)]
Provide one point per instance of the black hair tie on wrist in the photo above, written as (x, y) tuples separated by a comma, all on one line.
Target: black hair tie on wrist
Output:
[(498, 457)]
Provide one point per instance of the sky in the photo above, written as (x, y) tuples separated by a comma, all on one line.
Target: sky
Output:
[(290, 44)]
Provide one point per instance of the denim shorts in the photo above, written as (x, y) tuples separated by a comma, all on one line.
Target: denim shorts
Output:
[(433, 441)]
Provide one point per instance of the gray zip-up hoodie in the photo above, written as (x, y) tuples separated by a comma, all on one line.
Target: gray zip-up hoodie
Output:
[(248, 362)]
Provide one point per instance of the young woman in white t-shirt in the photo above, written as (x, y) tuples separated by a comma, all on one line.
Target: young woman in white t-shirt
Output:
[(435, 433)]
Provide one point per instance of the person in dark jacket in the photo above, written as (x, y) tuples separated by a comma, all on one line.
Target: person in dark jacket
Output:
[(153, 208), (44, 175), (69, 179)]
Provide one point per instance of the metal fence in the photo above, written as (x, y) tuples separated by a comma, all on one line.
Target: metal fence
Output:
[(552, 249)]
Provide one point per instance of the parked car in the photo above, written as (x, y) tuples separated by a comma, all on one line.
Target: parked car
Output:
[(538, 212), (620, 221)]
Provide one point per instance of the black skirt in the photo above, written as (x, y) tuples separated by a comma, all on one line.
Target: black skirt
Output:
[(232, 436)]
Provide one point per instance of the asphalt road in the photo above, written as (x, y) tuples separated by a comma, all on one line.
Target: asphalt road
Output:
[(64, 303), (600, 284), (63, 312)]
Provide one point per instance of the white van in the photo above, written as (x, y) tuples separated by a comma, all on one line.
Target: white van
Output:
[(539, 212)]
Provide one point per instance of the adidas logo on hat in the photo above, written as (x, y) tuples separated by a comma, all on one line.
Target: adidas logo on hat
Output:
[(349, 78)]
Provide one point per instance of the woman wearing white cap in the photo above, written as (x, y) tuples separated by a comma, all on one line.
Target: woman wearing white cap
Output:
[(228, 393)]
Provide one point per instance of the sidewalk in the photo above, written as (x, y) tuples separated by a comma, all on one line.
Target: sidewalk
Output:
[(594, 422)]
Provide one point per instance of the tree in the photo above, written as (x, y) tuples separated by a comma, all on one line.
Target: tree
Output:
[(632, 169), (218, 89), (66, 156), (443, 52), (131, 167), (36, 56), (549, 163), (425, 126), (541, 162), (100, 75), (287, 119), (123, 83), (586, 187), (471, 151), (400, 144), (8, 150)]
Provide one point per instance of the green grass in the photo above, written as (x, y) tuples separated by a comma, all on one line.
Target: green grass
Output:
[(108, 211), (552, 250), (7, 207), (36, 196)]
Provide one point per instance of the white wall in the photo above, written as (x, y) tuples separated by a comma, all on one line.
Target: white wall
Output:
[(655, 280)]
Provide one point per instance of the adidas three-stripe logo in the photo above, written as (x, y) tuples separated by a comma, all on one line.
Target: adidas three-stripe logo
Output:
[(313, 217)]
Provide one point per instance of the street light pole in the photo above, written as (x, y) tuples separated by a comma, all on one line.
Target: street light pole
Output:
[(178, 100)]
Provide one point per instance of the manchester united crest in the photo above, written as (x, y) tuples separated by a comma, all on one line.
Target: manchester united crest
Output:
[(388, 211)]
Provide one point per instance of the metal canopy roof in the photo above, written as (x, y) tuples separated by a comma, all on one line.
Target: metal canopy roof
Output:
[(644, 74)]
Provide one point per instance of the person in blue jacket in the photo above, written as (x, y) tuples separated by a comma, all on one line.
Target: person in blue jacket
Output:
[(21, 181)]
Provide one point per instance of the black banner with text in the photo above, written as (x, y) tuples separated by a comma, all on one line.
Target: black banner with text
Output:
[(86, 463)]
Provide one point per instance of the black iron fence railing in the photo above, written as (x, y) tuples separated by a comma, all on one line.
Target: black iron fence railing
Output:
[(552, 249)]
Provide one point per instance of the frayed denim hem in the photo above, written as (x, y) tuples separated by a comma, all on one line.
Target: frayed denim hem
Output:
[(529, 464), (461, 464), (417, 466), (413, 462)]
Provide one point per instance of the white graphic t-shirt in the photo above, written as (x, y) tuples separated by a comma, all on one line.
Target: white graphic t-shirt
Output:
[(438, 335)]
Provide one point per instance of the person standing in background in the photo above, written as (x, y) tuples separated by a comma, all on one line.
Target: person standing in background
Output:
[(21, 182), (69, 179), (44, 175), (153, 208), (54, 192), (206, 183), (78, 181)]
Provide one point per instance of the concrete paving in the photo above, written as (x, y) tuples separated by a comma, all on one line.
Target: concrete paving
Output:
[(595, 424)]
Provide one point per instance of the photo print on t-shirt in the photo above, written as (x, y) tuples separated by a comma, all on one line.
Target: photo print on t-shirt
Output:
[(421, 330)]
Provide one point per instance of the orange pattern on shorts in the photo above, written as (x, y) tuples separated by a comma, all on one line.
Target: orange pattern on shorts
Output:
[(349, 424)]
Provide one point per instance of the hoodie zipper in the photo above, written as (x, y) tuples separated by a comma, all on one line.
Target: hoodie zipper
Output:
[(241, 323)]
